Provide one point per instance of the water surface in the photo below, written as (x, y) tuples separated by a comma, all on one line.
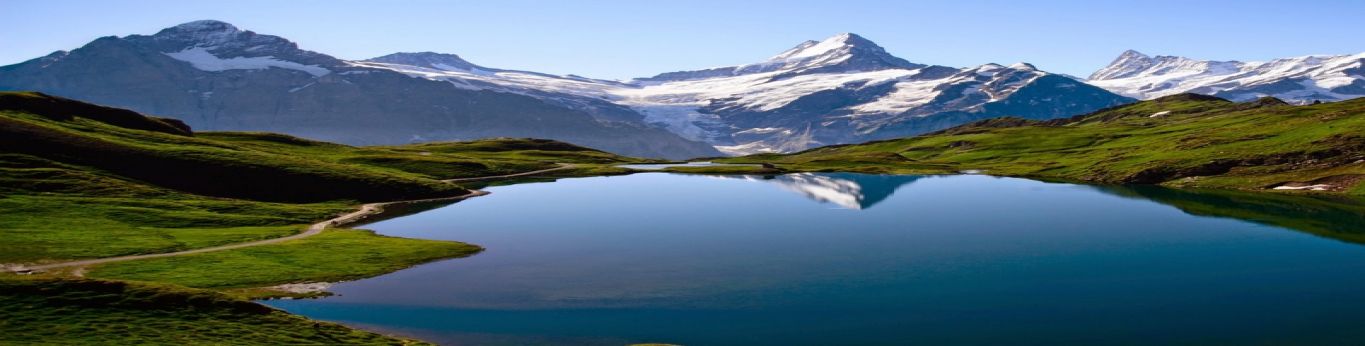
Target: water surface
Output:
[(819, 259)]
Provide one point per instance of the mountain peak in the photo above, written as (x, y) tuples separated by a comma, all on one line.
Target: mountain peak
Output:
[(847, 38), (990, 66), (204, 32), (206, 25), (213, 45), (211, 33), (844, 43), (839, 53), (440, 61), (1129, 63), (1132, 54), (845, 52), (1023, 66), (851, 38)]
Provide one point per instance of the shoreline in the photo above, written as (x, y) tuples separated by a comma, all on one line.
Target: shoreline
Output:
[(369, 211), (364, 212), (1283, 189)]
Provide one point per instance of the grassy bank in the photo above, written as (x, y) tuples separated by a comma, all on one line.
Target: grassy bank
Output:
[(334, 255), (1187, 141), (50, 228)]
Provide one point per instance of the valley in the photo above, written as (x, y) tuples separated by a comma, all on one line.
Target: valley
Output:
[(681, 173), (238, 228)]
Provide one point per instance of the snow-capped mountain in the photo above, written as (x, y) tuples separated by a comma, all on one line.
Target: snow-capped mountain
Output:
[(844, 52), (1300, 80), (204, 44), (574, 92), (843, 89), (215, 76)]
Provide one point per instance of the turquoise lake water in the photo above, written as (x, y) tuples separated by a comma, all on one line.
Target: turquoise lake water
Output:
[(838, 259)]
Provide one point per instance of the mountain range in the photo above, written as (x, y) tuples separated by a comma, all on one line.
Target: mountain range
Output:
[(843, 89), (1302, 79)]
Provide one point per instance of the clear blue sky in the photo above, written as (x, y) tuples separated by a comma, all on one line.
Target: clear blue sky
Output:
[(623, 39)]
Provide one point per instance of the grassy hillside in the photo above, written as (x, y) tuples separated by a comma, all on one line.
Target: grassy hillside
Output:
[(1182, 141), (440, 160), (91, 312), (186, 163), (86, 181)]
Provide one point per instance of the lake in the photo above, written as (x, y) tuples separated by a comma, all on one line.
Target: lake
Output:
[(821, 259)]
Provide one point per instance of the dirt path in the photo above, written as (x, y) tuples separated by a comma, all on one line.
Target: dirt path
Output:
[(314, 229), (562, 166)]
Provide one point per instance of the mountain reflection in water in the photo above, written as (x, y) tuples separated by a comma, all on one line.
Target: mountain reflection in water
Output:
[(846, 190), (1335, 217)]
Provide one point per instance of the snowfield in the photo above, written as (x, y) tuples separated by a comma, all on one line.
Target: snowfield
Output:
[(200, 58)]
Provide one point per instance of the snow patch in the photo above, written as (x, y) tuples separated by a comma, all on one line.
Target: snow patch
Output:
[(754, 147), (201, 59), (1318, 187), (300, 288), (764, 130), (301, 88)]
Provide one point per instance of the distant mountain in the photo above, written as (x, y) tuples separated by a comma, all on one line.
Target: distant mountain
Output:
[(1298, 80), (215, 76), (844, 89)]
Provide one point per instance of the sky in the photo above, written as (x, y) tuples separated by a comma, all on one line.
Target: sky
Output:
[(625, 39)]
